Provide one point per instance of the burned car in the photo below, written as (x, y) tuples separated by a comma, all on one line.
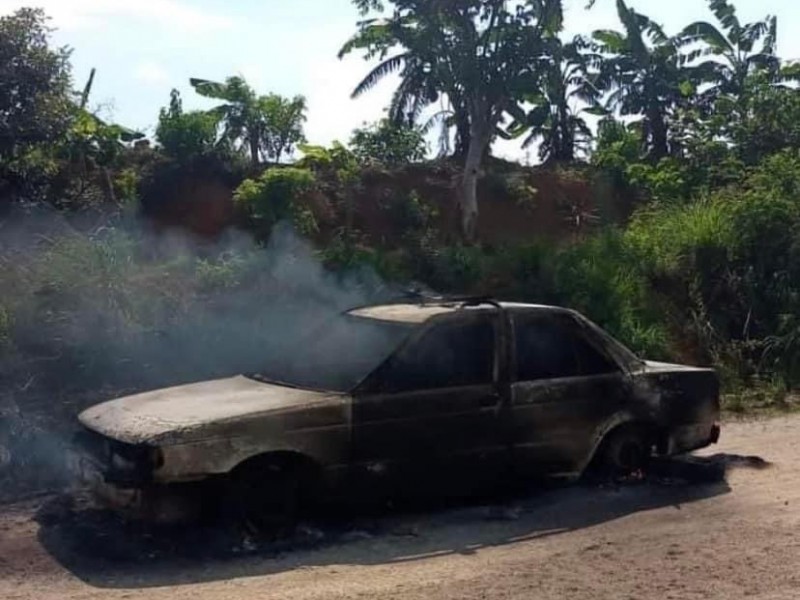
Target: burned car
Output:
[(400, 395)]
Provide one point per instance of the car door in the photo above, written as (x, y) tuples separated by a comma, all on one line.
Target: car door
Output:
[(432, 409), (564, 387)]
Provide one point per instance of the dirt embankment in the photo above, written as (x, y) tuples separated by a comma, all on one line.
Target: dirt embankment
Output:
[(517, 204), (659, 539)]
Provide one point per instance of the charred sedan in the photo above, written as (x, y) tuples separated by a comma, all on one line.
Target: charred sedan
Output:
[(401, 395)]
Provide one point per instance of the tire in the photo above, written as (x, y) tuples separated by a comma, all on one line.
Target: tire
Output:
[(626, 451), (265, 497)]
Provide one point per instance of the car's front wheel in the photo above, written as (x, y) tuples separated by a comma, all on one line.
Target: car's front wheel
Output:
[(266, 497)]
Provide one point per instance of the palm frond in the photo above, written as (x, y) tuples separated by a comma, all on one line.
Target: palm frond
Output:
[(612, 42), (708, 34), (726, 15), (209, 89), (387, 67)]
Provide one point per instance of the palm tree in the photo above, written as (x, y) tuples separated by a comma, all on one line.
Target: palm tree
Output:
[(241, 113), (475, 53), (565, 93), (735, 48), (645, 73)]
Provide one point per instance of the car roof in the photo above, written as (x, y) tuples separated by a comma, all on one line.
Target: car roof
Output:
[(420, 312)]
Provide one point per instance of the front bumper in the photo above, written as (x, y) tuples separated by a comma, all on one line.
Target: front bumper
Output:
[(131, 490), (90, 475), (148, 501)]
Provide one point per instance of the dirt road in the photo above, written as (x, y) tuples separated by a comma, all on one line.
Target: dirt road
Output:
[(739, 539)]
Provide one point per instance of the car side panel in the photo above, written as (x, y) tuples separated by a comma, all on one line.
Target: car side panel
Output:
[(554, 423)]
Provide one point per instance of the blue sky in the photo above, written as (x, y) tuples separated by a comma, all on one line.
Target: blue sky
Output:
[(144, 48)]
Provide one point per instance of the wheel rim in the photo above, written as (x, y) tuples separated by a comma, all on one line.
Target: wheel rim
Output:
[(630, 456)]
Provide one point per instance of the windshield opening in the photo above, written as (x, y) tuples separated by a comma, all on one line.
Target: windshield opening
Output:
[(337, 356)]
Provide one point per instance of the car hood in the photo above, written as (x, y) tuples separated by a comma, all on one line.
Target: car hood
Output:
[(174, 413)]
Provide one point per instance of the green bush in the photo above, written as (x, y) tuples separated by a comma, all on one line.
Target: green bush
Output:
[(126, 186), (275, 197)]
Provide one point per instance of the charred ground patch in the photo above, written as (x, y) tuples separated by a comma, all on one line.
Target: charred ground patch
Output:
[(105, 550)]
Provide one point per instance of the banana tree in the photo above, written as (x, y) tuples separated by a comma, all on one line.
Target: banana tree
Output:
[(422, 80), (90, 141), (644, 73), (560, 99), (476, 53), (738, 49), (241, 113)]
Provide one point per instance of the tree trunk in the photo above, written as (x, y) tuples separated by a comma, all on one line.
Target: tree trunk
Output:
[(254, 150), (463, 136), (659, 137), (108, 186), (469, 190)]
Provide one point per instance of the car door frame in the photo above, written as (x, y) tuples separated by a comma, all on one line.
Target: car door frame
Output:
[(498, 388), (618, 383)]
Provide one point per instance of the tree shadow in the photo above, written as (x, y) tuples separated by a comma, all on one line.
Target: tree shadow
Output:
[(106, 551)]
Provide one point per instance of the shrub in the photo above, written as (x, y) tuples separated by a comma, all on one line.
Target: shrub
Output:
[(126, 186), (276, 196), (600, 277), (224, 272)]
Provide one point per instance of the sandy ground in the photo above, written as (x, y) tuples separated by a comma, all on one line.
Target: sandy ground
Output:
[(737, 539)]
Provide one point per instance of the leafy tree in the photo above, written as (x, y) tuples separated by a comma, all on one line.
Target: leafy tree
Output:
[(477, 53), (35, 93), (762, 120), (184, 135), (388, 144), (738, 49), (645, 73), (563, 95), (283, 120)]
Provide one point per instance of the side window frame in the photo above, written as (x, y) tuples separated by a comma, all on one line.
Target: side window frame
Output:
[(371, 384), (574, 326)]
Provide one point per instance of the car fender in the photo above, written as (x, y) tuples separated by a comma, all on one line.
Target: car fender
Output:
[(617, 420), (198, 460)]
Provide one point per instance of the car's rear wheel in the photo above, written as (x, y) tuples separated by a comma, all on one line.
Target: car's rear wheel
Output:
[(266, 497), (626, 451)]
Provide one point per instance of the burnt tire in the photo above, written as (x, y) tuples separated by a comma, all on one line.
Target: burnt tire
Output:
[(266, 498), (625, 451)]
